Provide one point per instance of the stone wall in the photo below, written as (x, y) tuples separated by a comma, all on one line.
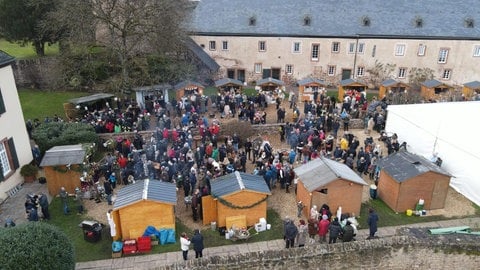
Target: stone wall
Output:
[(398, 252), (35, 73)]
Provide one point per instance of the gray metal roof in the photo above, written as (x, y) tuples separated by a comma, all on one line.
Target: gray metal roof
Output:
[(389, 82), (202, 55), (63, 155), (472, 85), (403, 165), (347, 82), (237, 181), (143, 190), (90, 98), (182, 85), (333, 18), (270, 80), (310, 81), (321, 171), (227, 81), (5, 59), (432, 83)]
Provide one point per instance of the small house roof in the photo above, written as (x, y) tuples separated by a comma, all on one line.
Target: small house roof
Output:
[(63, 155), (403, 165), (5, 59), (393, 83), (143, 190), (308, 81), (182, 85), (227, 81), (351, 82), (321, 171), (269, 81), (472, 85), (90, 98), (434, 83), (238, 181)]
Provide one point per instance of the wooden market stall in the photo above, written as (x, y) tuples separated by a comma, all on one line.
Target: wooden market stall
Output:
[(229, 85), (405, 178), (325, 181), (392, 86), (348, 86), (433, 88), (237, 199), (470, 88), (187, 88), (269, 84), (308, 86), (77, 107), (63, 167), (142, 204), (146, 95)]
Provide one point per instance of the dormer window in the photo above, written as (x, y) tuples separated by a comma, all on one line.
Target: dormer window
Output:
[(252, 21), (307, 21), (418, 22), (366, 21), (469, 23)]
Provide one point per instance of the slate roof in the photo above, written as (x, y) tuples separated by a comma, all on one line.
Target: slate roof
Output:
[(238, 181), (226, 81), (350, 81), (63, 155), (403, 165), (472, 85), (5, 59), (321, 171), (433, 83), (270, 80), (90, 98), (332, 18), (310, 81), (143, 190), (182, 85)]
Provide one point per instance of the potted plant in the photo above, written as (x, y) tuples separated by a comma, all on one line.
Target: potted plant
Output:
[(29, 172)]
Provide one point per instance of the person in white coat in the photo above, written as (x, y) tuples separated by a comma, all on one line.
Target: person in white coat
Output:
[(184, 245)]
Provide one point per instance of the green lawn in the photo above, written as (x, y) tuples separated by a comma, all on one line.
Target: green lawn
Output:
[(24, 52)]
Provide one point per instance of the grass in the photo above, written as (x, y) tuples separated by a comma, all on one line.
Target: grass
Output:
[(25, 52)]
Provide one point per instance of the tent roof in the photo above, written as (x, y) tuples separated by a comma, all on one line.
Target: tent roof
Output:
[(146, 190), (403, 165), (5, 59), (156, 87), (350, 82), (434, 83), (90, 98), (311, 81), (269, 80), (227, 81), (321, 171), (237, 181), (472, 85), (182, 85), (63, 155)]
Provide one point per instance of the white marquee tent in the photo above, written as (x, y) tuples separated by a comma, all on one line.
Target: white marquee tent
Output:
[(451, 130)]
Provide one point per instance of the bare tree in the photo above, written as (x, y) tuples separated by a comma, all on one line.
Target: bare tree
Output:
[(379, 73)]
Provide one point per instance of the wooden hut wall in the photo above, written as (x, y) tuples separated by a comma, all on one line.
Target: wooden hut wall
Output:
[(135, 218), (60, 176), (341, 93), (243, 198), (304, 195), (388, 189), (343, 193), (209, 209), (118, 225), (468, 92), (179, 94)]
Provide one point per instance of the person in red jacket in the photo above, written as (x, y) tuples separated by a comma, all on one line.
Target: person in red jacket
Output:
[(323, 229)]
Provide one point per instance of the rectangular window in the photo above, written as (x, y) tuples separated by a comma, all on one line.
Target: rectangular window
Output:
[(297, 48), (2, 104), (402, 72), (315, 51), (331, 70), (258, 68), (447, 73), (8, 158), (289, 69), (361, 48), (400, 50), (225, 45), (360, 71), (212, 45), (421, 50), (476, 51), (442, 56), (351, 47), (262, 46), (335, 47)]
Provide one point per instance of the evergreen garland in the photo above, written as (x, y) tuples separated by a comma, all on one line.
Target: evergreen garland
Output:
[(231, 205), (78, 168)]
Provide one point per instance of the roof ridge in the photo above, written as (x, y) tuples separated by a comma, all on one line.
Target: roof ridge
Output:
[(145, 189), (239, 180)]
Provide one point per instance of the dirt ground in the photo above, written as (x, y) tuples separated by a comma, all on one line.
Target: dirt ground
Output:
[(282, 202)]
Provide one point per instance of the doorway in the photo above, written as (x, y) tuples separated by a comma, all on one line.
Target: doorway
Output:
[(346, 74)]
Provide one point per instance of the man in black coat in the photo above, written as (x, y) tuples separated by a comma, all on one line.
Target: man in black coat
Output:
[(197, 241), (290, 233)]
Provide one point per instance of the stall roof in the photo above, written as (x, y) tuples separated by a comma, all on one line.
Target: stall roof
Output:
[(202, 55), (392, 82), (63, 155), (270, 80), (90, 98), (142, 190), (473, 85), (434, 83), (321, 171), (155, 87), (227, 81), (182, 85), (237, 181), (348, 82), (5, 59), (307, 81)]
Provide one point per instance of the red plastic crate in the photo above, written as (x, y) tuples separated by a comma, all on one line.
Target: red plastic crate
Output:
[(144, 244), (129, 246)]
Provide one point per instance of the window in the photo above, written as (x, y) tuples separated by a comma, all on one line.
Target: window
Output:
[(252, 21), (262, 46), (289, 69), (331, 70), (447, 73), (315, 51), (361, 47), (476, 51), (421, 50), (2, 104), (400, 50), (442, 56), (336, 47), (307, 21), (225, 45), (296, 47), (8, 158), (360, 71), (212, 45), (351, 47), (402, 72), (258, 68), (374, 50)]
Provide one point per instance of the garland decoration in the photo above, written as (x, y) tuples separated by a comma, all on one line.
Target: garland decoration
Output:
[(73, 167), (231, 205)]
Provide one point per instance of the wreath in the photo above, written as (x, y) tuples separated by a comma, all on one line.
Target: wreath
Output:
[(231, 205)]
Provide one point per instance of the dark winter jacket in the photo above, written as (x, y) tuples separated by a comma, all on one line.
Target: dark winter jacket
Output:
[(347, 233), (335, 229)]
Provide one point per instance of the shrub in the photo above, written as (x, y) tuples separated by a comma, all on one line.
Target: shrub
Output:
[(243, 129), (52, 134), (35, 245), (28, 170)]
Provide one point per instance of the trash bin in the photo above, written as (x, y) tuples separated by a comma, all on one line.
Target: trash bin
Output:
[(92, 231), (373, 191)]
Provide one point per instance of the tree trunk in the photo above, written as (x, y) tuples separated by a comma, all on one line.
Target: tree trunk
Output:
[(39, 48)]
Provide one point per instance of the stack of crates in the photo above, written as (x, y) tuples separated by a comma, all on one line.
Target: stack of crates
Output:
[(144, 244)]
